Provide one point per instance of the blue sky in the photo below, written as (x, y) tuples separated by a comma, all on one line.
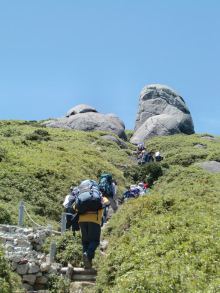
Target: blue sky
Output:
[(55, 55)]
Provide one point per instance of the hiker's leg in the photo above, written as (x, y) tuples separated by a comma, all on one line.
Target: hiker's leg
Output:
[(94, 233), (68, 221), (85, 239), (113, 203)]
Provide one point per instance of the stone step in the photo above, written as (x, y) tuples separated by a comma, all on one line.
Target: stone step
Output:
[(80, 271), (80, 287), (84, 271), (83, 277)]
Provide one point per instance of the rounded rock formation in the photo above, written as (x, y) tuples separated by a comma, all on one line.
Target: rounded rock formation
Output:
[(86, 118), (161, 112)]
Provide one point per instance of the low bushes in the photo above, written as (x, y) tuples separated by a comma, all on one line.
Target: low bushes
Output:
[(148, 173), (9, 282)]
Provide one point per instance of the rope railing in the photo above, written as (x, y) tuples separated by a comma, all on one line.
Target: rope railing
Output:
[(23, 209)]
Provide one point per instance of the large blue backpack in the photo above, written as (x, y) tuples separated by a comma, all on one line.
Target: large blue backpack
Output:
[(89, 198), (105, 185), (134, 193)]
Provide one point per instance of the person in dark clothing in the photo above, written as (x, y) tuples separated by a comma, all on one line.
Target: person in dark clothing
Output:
[(90, 226), (147, 157)]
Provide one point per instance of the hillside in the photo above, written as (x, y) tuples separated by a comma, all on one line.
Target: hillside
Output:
[(167, 241), (38, 166)]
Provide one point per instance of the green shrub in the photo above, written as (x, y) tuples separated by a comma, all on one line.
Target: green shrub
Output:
[(68, 248), (9, 282), (41, 132), (148, 172), (5, 215), (3, 153), (58, 284), (38, 135), (11, 132)]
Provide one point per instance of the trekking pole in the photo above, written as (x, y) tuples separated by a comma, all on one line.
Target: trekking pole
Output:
[(21, 211), (63, 223)]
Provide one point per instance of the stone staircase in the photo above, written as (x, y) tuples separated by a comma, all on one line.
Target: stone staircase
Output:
[(82, 280)]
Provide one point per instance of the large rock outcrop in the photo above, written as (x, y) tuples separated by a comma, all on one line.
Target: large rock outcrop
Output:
[(161, 112), (84, 117)]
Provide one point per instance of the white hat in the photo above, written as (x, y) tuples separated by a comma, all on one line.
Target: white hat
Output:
[(133, 186)]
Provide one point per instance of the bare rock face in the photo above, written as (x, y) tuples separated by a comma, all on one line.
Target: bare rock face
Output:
[(211, 166), (161, 112), (84, 117)]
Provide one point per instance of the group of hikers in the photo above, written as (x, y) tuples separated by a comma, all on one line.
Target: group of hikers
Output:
[(147, 157), (87, 208)]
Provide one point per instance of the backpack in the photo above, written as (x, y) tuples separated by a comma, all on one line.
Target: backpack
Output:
[(105, 185), (89, 198), (125, 195), (135, 192)]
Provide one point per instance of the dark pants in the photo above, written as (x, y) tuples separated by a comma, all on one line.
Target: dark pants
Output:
[(72, 221), (90, 237)]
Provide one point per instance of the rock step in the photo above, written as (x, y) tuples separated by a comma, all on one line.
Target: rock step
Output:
[(79, 271), (80, 277), (80, 287), (79, 274)]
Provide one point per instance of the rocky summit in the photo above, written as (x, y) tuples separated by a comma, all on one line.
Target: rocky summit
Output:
[(87, 118), (161, 112)]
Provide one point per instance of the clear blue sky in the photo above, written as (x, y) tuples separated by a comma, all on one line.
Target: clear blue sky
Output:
[(55, 55)]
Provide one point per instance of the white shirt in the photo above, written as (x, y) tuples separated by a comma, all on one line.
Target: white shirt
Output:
[(66, 201)]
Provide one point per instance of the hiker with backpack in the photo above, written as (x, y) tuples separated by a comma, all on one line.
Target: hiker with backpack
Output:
[(90, 205), (158, 157), (133, 192), (143, 188), (147, 157), (107, 186), (71, 215), (140, 148)]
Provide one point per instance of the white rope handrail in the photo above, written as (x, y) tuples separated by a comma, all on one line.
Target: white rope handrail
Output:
[(32, 219)]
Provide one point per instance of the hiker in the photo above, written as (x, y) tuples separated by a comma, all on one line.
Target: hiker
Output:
[(147, 157), (107, 186), (90, 205), (145, 188), (71, 216), (125, 195), (141, 147), (133, 192), (158, 157), (141, 188)]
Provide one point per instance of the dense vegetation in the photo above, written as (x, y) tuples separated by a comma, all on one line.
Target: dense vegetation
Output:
[(167, 241), (38, 166)]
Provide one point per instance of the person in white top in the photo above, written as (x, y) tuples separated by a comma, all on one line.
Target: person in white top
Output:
[(71, 217), (158, 157)]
